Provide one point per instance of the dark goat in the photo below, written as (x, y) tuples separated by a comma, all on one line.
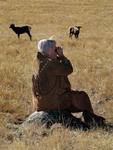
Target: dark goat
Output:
[(21, 30), (75, 30)]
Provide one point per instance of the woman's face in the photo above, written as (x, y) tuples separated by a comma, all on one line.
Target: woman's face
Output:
[(51, 52)]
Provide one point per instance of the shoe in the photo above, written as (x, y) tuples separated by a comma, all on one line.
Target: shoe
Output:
[(100, 121), (93, 120)]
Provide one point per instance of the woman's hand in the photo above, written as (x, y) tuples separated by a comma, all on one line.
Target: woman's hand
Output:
[(59, 51), (55, 52)]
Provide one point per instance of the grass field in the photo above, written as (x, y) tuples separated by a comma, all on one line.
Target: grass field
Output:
[(91, 55)]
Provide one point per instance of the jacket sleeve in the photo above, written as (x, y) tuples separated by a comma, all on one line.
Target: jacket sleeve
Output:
[(60, 66)]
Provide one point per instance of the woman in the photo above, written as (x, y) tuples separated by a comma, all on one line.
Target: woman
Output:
[(51, 87)]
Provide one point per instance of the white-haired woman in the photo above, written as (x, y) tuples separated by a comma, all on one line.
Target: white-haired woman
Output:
[(52, 89)]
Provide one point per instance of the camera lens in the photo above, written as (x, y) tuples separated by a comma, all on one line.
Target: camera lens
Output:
[(56, 50)]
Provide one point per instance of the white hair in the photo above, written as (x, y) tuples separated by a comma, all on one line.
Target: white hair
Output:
[(45, 44)]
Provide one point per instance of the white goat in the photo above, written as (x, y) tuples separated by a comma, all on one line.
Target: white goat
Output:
[(74, 30)]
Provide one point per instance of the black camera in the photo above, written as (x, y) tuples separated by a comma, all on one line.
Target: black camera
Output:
[(56, 50)]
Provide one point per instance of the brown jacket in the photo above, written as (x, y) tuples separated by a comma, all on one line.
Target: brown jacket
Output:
[(50, 83)]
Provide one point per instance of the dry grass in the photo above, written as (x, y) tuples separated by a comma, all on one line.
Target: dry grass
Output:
[(91, 56)]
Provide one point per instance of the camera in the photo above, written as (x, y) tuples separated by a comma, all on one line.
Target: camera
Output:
[(56, 50)]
